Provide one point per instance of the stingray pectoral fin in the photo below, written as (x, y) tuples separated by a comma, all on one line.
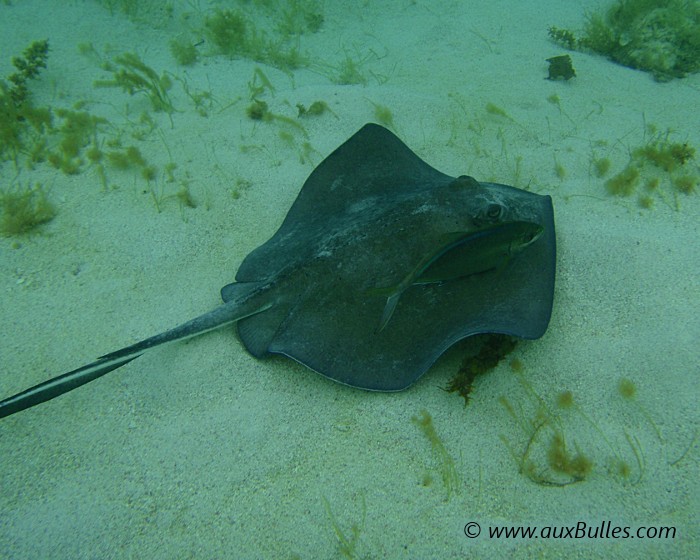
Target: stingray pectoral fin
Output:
[(244, 306)]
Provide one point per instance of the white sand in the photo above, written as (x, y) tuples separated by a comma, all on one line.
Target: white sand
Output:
[(199, 450)]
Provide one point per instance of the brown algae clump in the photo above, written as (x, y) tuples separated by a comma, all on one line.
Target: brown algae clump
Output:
[(24, 209), (495, 347), (659, 161)]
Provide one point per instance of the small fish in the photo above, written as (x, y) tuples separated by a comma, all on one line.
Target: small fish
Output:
[(464, 254)]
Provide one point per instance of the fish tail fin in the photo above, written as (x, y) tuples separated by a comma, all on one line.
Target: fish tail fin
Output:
[(389, 309)]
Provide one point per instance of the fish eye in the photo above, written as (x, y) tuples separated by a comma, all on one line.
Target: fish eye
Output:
[(532, 236)]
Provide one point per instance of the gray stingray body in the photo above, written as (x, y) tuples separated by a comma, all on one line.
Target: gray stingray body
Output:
[(366, 217)]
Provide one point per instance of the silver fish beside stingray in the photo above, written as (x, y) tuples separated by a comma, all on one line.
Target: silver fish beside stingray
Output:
[(465, 254)]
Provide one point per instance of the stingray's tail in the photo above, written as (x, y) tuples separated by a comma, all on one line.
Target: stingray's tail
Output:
[(231, 311)]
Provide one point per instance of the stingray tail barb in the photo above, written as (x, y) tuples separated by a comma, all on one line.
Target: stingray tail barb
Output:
[(243, 306)]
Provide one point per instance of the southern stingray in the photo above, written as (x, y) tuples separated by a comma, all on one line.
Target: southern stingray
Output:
[(381, 264)]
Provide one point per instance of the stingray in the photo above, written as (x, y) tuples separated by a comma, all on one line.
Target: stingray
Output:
[(381, 264)]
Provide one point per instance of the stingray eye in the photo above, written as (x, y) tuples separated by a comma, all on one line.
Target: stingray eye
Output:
[(493, 213)]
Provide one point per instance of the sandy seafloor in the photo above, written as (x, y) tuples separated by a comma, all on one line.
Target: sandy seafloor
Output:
[(199, 450)]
